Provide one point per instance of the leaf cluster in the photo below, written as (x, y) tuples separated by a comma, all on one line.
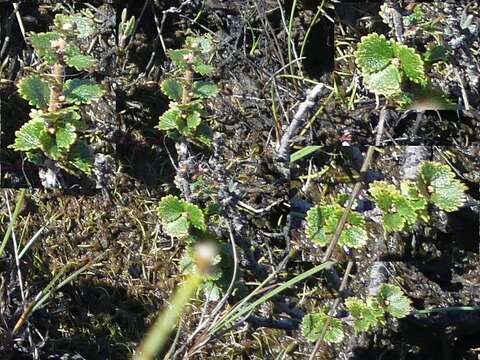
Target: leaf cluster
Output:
[(186, 221), (366, 315), (188, 95), (53, 130), (385, 64), (436, 184)]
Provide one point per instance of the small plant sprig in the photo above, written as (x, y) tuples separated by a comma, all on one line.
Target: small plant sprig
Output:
[(323, 220), (187, 95), (401, 207), (366, 315), (54, 128), (385, 64), (436, 184), (186, 221)]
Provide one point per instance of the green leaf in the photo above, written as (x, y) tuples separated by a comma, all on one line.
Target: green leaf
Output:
[(312, 325), (28, 136), (203, 69), (365, 315), (397, 208), (204, 134), (56, 145), (315, 228), (195, 216), (41, 42), (81, 25), (178, 216), (373, 54), (179, 57), (394, 301), (81, 157), (193, 120), (305, 151), (35, 91), (438, 184), (81, 91), (76, 59), (170, 208), (204, 89), (436, 53), (385, 82), (322, 222), (202, 44), (173, 89), (411, 63), (169, 119)]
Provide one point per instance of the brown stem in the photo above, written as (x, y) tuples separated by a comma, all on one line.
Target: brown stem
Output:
[(58, 73)]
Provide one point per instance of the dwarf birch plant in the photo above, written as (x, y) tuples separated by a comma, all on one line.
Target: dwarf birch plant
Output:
[(55, 125), (187, 95)]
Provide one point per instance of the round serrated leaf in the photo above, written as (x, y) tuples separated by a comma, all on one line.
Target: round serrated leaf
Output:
[(394, 301), (373, 54), (28, 136), (354, 237), (81, 62), (81, 157), (179, 57), (315, 228), (385, 82), (81, 91), (173, 89), (170, 208), (178, 228), (195, 216), (438, 184), (312, 325), (411, 63), (35, 91), (193, 120), (204, 89), (82, 26), (365, 315), (41, 42), (169, 119), (203, 69), (75, 58)]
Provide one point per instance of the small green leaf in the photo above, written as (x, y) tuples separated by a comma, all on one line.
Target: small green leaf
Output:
[(81, 91), (169, 119), (81, 25), (438, 184), (411, 63), (178, 216), (41, 42), (170, 208), (195, 216), (56, 145), (203, 69), (81, 157), (312, 325), (35, 91), (204, 89), (385, 82), (315, 228), (365, 315), (394, 301), (193, 120), (305, 151), (204, 134), (202, 44), (28, 136), (322, 222), (179, 57), (173, 89), (373, 54), (76, 59), (398, 210)]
